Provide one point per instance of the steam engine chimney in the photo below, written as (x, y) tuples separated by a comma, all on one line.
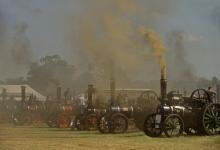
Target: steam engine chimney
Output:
[(4, 94), (112, 90), (59, 92), (90, 94), (163, 84), (23, 94)]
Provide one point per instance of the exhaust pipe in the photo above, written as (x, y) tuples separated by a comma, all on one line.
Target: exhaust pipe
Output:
[(90, 94), (59, 93), (163, 84), (112, 90), (23, 95), (4, 94)]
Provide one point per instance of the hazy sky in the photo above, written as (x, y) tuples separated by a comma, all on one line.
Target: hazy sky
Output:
[(50, 23)]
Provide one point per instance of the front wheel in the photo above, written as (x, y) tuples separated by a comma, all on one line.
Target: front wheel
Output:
[(79, 122), (103, 124), (119, 123), (22, 119), (51, 121), (152, 127), (63, 121), (91, 122), (173, 125)]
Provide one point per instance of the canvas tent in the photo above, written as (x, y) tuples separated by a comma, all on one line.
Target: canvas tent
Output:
[(14, 91)]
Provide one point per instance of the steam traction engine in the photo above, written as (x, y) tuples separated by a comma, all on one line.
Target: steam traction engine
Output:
[(197, 114), (87, 120), (116, 119), (59, 113)]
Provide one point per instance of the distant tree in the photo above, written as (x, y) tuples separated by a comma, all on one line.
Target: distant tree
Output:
[(49, 73)]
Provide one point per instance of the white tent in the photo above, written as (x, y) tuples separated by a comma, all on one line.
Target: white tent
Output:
[(15, 92)]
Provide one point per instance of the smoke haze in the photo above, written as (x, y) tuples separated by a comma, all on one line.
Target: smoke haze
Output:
[(2, 27), (21, 50), (97, 33), (108, 31), (177, 59), (15, 48)]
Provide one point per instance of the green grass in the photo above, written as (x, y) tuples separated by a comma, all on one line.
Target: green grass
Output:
[(43, 138)]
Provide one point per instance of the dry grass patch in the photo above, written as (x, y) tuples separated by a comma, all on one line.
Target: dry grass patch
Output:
[(42, 138)]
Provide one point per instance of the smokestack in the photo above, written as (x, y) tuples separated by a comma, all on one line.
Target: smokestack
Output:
[(218, 92), (23, 94), (4, 95), (59, 91), (163, 84), (112, 90), (90, 94)]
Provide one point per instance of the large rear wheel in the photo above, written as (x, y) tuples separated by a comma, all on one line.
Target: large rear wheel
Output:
[(211, 119)]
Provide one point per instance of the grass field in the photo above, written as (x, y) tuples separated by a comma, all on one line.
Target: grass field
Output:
[(43, 138)]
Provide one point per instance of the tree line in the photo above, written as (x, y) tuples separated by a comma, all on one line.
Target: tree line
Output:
[(52, 71)]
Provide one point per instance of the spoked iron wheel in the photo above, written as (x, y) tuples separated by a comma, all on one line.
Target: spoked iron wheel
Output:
[(79, 122), (173, 125), (201, 95), (22, 119), (37, 120), (63, 121), (103, 124), (119, 123), (151, 128), (211, 119), (91, 122), (16, 120), (26, 119), (146, 98)]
